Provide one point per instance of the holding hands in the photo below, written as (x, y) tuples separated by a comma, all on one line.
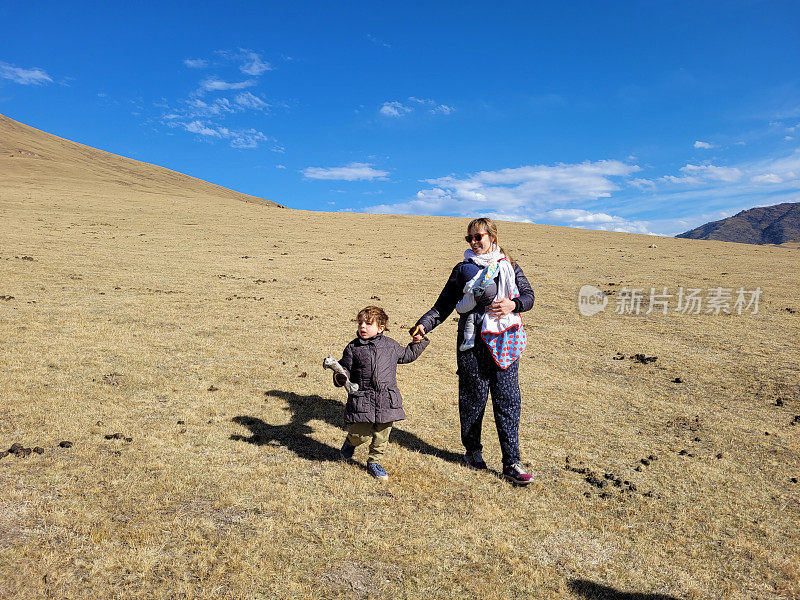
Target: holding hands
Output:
[(417, 333)]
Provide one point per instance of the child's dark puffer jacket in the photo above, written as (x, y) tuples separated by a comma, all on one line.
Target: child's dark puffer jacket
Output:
[(372, 364)]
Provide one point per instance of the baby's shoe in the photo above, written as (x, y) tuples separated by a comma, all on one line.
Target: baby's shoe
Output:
[(467, 344), (377, 471), (347, 450)]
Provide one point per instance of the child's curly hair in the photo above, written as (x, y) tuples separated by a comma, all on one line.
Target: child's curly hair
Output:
[(374, 314)]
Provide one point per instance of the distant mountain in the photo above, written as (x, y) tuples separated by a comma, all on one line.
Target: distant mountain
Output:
[(764, 225)]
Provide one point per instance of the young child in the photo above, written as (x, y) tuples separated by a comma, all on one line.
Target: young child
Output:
[(480, 290), (371, 361)]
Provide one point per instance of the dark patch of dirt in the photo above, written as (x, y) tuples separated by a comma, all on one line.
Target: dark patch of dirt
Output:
[(238, 297), (641, 358), (4, 297), (677, 380), (213, 388), (605, 481), (65, 444)]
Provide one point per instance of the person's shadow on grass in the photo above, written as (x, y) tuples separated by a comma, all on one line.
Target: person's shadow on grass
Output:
[(595, 591), (294, 435)]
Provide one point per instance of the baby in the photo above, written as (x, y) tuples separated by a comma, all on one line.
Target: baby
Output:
[(480, 290), (373, 400)]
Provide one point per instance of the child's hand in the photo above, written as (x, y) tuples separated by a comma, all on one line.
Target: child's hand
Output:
[(417, 333), (339, 380)]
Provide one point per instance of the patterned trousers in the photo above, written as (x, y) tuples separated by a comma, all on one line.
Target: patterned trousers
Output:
[(478, 374)]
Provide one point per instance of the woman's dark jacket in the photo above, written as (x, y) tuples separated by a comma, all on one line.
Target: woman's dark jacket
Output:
[(372, 364), (453, 291)]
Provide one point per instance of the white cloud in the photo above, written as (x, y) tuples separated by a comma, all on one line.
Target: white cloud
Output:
[(354, 171), (518, 194), (199, 127), (398, 109), (705, 145), (394, 109), (253, 65), (196, 63), (251, 101), (601, 221), (214, 84), (767, 178), (280, 167), (33, 76), (433, 106), (377, 42), (788, 138), (699, 173), (199, 108), (238, 138), (643, 183)]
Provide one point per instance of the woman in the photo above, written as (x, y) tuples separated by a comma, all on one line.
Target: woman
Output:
[(492, 363)]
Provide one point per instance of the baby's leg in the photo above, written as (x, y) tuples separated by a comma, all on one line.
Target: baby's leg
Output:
[(380, 441), (359, 433), (469, 332)]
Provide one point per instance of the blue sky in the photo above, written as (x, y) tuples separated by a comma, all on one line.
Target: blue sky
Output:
[(648, 117)]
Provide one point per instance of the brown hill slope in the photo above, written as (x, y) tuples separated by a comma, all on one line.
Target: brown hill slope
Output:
[(30, 158), (196, 327), (778, 224)]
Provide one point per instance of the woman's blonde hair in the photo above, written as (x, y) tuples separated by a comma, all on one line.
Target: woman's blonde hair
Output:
[(486, 224)]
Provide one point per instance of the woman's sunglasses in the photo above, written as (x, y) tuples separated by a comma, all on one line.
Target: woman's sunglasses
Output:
[(477, 237)]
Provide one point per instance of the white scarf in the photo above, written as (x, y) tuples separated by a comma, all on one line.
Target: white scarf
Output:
[(506, 285)]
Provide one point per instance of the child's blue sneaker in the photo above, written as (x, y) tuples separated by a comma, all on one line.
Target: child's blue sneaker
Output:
[(377, 471), (347, 450)]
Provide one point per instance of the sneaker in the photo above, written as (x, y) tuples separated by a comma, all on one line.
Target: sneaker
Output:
[(377, 471), (516, 474), (474, 460), (347, 450)]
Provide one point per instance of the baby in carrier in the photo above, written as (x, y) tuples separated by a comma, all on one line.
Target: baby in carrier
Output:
[(479, 291)]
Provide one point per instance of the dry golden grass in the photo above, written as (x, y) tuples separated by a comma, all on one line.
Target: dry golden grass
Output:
[(138, 298)]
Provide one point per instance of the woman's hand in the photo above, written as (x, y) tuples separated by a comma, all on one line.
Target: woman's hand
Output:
[(418, 333), (500, 308)]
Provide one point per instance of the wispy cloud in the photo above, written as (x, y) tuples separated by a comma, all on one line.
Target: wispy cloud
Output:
[(196, 63), (253, 64), (396, 109), (377, 42), (32, 76), (432, 106), (354, 171), (238, 138), (519, 194), (214, 84), (250, 101), (602, 221), (703, 145)]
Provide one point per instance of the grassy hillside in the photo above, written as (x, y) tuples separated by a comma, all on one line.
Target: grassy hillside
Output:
[(195, 325)]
